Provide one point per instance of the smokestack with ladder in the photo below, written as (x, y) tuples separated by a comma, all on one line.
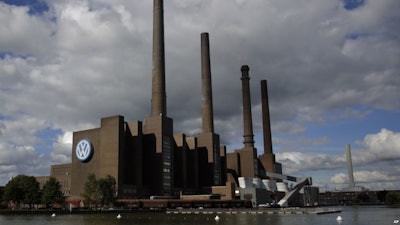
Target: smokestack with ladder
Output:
[(248, 135), (248, 154), (244, 161)]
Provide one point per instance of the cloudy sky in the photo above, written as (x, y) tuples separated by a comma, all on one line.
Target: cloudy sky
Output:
[(333, 71)]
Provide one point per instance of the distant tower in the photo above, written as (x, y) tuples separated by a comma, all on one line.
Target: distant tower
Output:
[(350, 166)]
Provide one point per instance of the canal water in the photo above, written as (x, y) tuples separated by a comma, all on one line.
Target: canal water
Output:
[(350, 216)]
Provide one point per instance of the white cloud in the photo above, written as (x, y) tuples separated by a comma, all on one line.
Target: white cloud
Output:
[(294, 162), (372, 180), (339, 178), (62, 149), (363, 177), (23, 34), (383, 146), (10, 155), (374, 166)]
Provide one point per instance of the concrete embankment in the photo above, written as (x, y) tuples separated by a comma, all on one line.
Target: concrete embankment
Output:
[(255, 211), (194, 211), (75, 211)]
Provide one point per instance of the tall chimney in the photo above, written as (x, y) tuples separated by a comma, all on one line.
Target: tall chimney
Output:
[(247, 118), (206, 93), (266, 118), (350, 166), (158, 97)]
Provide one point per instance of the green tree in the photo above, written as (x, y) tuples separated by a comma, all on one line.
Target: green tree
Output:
[(22, 189), (99, 190), (393, 198), (381, 195), (13, 191), (51, 192), (107, 189), (91, 189)]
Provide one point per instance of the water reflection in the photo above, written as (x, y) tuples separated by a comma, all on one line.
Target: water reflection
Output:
[(351, 216)]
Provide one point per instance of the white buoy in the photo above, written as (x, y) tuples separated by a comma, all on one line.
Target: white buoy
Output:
[(217, 218), (53, 215), (119, 216), (396, 221), (339, 218)]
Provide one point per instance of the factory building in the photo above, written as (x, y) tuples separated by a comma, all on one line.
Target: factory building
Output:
[(148, 159)]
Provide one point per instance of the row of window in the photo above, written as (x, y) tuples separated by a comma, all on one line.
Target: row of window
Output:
[(61, 171), (217, 165), (167, 170)]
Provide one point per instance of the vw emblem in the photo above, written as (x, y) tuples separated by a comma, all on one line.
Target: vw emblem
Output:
[(84, 150)]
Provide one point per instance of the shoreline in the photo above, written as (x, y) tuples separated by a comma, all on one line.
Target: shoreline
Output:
[(29, 212), (194, 211), (314, 211)]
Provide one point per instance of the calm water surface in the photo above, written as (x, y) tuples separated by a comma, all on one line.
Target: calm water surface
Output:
[(350, 215)]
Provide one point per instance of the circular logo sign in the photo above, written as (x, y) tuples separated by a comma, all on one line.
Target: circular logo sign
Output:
[(84, 150)]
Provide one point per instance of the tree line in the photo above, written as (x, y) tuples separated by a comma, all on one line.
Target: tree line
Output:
[(393, 199), (24, 191)]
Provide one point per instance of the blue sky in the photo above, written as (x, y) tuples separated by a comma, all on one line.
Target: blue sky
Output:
[(332, 69), (352, 4), (35, 6)]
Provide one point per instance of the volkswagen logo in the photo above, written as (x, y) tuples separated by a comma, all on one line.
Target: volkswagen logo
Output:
[(84, 150)]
